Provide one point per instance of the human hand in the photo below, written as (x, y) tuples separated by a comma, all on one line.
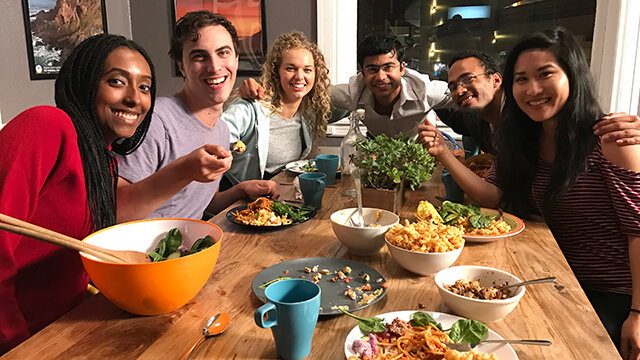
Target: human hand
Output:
[(256, 188), (431, 138), (251, 90), (630, 337), (208, 162), (620, 127)]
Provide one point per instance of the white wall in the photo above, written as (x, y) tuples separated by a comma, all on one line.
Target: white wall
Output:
[(615, 56), (18, 92)]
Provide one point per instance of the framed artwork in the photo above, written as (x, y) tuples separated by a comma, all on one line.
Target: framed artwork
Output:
[(53, 30), (247, 16)]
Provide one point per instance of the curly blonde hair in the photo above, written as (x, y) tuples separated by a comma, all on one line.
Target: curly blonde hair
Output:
[(315, 106)]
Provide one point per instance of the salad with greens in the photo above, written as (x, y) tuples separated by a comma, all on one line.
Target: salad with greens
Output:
[(170, 247), (450, 212)]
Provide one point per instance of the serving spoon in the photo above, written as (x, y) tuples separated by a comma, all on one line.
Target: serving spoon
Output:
[(529, 282), (24, 228), (215, 326)]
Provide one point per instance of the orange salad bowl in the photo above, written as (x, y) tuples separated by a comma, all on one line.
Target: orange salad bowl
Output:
[(152, 288)]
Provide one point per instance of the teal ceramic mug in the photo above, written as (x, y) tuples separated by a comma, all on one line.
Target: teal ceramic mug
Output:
[(292, 308), (312, 187), (328, 165)]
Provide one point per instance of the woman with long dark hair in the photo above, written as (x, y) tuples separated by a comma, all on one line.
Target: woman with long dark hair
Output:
[(549, 163), (58, 171)]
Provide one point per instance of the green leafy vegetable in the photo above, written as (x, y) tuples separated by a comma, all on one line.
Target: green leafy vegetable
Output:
[(367, 325), (468, 331), (296, 214), (168, 248), (451, 212), (421, 318), (384, 162)]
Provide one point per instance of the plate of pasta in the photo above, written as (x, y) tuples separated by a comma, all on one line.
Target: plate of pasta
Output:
[(503, 226), (477, 224), (421, 341), (266, 213)]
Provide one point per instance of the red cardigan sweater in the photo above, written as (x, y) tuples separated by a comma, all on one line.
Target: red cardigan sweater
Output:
[(42, 182)]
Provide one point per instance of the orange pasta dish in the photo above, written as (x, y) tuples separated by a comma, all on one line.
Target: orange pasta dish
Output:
[(259, 213), (402, 341)]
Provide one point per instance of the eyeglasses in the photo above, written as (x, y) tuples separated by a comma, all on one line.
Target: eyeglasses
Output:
[(374, 69), (464, 82)]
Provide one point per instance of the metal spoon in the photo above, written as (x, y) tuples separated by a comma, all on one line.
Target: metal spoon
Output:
[(469, 346), (529, 282), (215, 326)]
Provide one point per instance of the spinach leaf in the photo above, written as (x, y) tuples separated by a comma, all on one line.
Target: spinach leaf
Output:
[(294, 213), (367, 325), (202, 244), (468, 331), (155, 257), (480, 221), (423, 319), (173, 239)]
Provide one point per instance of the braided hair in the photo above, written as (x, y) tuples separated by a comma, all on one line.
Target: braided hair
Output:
[(75, 93)]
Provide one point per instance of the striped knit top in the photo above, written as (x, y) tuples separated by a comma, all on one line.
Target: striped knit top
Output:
[(592, 220)]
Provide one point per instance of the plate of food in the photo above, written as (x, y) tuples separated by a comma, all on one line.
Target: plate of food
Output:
[(480, 164), (345, 283), (300, 167), (414, 326), (266, 213), (477, 224)]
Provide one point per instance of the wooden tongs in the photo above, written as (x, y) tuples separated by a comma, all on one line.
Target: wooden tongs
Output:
[(24, 228)]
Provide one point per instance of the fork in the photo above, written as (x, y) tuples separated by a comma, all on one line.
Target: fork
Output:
[(469, 346)]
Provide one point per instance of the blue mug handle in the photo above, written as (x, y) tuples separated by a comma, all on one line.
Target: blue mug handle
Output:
[(259, 316)]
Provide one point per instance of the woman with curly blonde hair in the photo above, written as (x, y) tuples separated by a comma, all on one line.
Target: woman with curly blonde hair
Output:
[(292, 117)]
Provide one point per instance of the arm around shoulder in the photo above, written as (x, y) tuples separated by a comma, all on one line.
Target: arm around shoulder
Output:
[(626, 157), (240, 117)]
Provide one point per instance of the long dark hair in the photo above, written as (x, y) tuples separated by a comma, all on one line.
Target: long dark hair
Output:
[(518, 135), (75, 93)]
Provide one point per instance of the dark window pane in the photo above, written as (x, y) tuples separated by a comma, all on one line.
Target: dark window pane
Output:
[(434, 35)]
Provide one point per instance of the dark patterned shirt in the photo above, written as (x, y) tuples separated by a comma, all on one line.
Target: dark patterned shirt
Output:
[(592, 220)]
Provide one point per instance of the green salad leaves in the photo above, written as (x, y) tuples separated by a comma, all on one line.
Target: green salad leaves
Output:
[(169, 247), (296, 214), (461, 331), (450, 212)]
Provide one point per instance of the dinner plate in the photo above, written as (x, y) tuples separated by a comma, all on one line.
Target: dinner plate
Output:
[(333, 293), (232, 218), (516, 224), (502, 351), (297, 166)]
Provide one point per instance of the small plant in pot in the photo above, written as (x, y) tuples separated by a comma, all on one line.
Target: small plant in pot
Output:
[(390, 163)]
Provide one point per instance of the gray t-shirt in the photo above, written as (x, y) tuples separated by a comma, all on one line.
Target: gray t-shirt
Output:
[(285, 141), (174, 132)]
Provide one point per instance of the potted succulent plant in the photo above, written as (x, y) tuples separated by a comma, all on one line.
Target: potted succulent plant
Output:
[(387, 166)]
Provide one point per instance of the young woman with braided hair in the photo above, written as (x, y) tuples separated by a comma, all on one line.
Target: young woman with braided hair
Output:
[(57, 170)]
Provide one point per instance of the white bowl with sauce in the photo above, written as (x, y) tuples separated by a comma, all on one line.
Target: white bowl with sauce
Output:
[(363, 241), (478, 309)]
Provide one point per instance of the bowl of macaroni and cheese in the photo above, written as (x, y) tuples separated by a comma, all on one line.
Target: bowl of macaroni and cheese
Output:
[(368, 239), (424, 248), (475, 292)]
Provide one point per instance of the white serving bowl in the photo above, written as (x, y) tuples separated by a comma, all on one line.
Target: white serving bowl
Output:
[(363, 241), (423, 263), (481, 310)]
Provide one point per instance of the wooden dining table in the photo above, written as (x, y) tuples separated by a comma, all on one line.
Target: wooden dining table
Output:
[(557, 312)]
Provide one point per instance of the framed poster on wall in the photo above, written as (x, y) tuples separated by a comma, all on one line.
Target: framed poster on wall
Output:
[(247, 16), (53, 29)]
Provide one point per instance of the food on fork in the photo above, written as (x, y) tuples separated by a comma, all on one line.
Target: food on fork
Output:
[(239, 147)]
